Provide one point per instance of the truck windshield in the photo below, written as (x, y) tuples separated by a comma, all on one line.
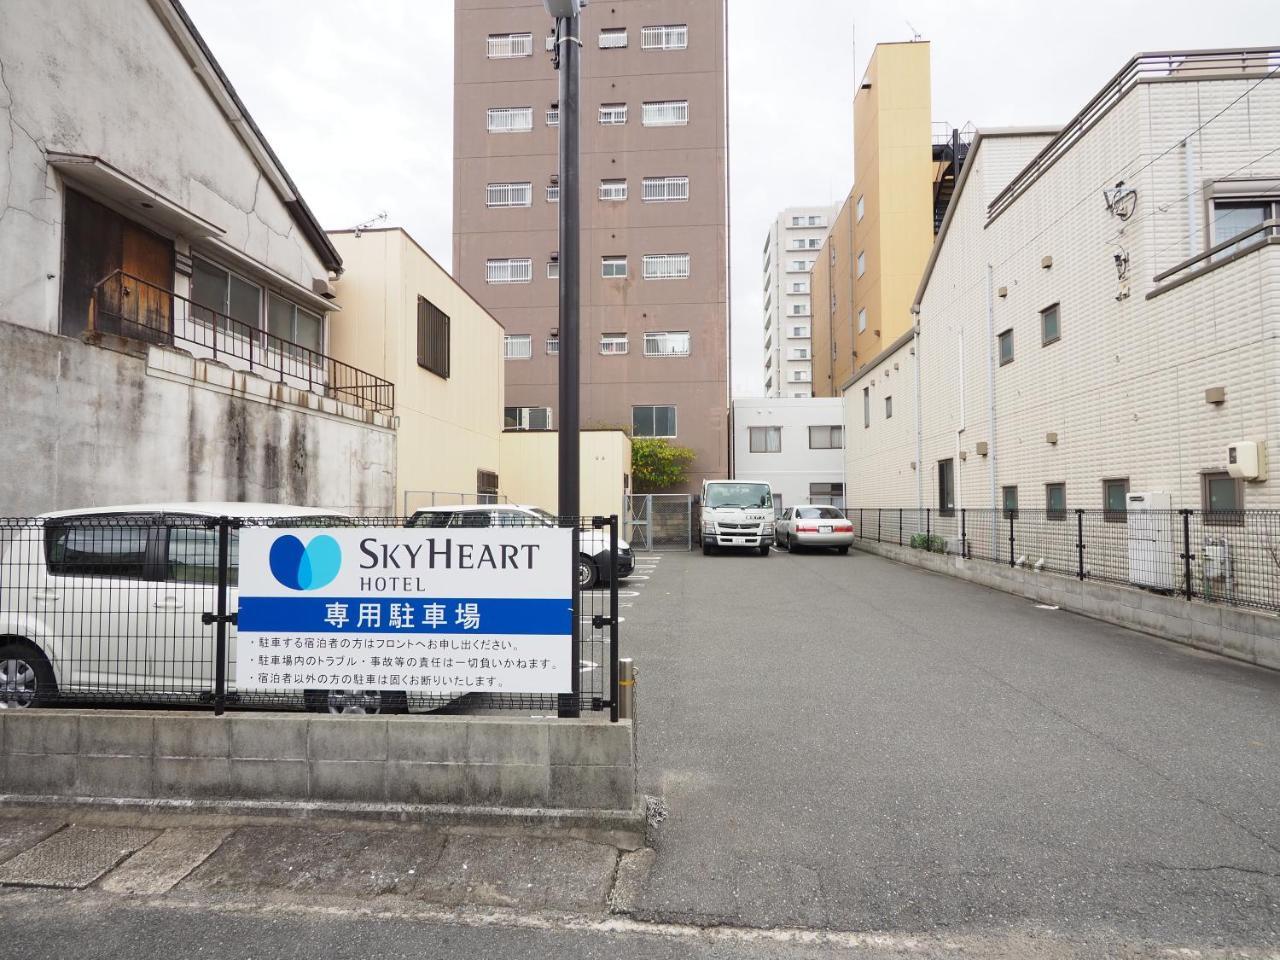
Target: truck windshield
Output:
[(738, 495)]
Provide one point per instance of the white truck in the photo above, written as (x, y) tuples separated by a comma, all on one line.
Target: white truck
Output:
[(737, 513)]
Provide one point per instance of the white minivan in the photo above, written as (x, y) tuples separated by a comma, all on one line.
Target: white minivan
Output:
[(108, 603)]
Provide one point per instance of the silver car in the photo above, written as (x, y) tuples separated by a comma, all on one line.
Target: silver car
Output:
[(813, 525)]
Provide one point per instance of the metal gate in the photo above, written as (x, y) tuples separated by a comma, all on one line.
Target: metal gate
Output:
[(660, 521)]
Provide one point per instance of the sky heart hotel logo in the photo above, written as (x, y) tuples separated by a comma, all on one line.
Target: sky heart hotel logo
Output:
[(308, 567)]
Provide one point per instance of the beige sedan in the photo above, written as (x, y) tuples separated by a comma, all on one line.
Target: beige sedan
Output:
[(813, 525)]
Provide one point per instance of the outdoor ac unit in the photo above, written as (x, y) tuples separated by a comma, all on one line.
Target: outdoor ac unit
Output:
[(1153, 556), (955, 546), (1216, 560), (1247, 460)]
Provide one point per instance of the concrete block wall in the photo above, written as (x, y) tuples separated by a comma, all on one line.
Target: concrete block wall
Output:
[(1249, 635), (467, 761)]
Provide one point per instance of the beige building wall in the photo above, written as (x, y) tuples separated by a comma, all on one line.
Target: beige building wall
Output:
[(893, 180), (449, 428), (529, 469)]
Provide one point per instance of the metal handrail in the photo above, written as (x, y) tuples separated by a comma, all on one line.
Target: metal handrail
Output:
[(1198, 64), (132, 307), (1263, 227)]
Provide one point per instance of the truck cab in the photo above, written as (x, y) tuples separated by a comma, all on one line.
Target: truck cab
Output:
[(736, 514)]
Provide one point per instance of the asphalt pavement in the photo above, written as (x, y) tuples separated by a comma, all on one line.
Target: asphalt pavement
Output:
[(849, 743)]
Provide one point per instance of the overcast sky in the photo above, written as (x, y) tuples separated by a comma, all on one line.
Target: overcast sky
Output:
[(360, 108)]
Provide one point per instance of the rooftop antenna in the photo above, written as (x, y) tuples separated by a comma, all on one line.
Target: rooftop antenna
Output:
[(916, 35), (368, 224)]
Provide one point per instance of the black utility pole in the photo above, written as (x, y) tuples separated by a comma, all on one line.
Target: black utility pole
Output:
[(567, 57)]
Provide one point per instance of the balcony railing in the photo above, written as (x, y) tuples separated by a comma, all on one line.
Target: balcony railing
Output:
[(129, 307)]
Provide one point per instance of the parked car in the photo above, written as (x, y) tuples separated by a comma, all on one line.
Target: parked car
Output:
[(593, 558), (813, 525), (108, 603)]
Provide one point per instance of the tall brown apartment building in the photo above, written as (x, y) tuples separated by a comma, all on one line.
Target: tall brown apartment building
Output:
[(654, 211)]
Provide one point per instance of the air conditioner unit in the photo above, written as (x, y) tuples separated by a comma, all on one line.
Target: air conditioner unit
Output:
[(1247, 460), (1216, 560), (1153, 555)]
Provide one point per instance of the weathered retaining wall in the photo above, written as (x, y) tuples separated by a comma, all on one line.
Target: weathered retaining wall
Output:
[(1248, 635), (471, 761), (82, 425)]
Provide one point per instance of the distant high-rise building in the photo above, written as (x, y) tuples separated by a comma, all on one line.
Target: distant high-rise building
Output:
[(790, 250), (654, 343)]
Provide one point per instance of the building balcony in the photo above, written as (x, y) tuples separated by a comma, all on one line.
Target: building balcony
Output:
[(124, 306)]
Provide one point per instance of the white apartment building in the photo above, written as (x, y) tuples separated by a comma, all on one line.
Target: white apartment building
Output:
[(794, 444), (1100, 313), (790, 250)]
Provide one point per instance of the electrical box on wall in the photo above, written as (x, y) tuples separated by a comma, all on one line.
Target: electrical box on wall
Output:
[(1247, 460)]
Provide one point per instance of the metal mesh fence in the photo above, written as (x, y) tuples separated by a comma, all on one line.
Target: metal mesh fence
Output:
[(123, 609), (1230, 557)]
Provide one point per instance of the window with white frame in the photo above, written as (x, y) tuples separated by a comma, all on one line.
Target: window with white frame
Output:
[(613, 38), (666, 266), (551, 42), (798, 266), (862, 320), (666, 113), (511, 270), (508, 195), (671, 36), (826, 438), (800, 286), (816, 221), (669, 190), (613, 268), (553, 193), (798, 353), (510, 119), (527, 418), (613, 189), (862, 263), (765, 439), (797, 221), (799, 331), (666, 343), (553, 115), (1235, 215), (800, 376), (612, 344), (507, 46), (653, 421), (799, 309), (517, 346), (553, 343), (860, 208), (613, 114), (553, 268)]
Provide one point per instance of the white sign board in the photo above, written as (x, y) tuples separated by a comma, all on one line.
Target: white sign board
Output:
[(428, 611)]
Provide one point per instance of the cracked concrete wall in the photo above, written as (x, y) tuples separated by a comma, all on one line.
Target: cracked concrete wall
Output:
[(107, 80), (81, 425)]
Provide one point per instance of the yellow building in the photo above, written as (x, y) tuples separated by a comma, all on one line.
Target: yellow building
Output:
[(529, 460), (419, 329), (874, 255)]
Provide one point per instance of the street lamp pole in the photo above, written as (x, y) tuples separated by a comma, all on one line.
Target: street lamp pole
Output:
[(567, 57)]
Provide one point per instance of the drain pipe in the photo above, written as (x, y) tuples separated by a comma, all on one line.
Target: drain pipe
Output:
[(915, 349), (991, 390)]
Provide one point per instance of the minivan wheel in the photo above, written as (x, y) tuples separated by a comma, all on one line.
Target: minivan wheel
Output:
[(588, 576), (25, 676), (356, 702)]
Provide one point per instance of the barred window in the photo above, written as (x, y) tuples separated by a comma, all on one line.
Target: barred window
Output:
[(665, 189), (433, 338), (509, 195), (613, 189), (613, 38), (505, 46), (512, 270), (613, 114), (613, 343), (666, 113), (553, 115), (486, 486), (666, 344), (666, 266), (553, 193), (517, 346), (673, 36), (510, 119)]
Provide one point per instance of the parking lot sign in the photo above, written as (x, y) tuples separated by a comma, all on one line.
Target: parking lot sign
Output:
[(425, 611)]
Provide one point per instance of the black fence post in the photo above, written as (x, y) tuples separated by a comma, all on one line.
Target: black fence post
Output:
[(899, 526), (879, 521), (1080, 544), (964, 533), (928, 528), (861, 532), (1011, 563), (1186, 552), (220, 647), (613, 619)]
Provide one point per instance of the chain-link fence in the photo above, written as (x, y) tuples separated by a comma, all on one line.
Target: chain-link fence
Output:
[(660, 521), (141, 609), (1224, 556)]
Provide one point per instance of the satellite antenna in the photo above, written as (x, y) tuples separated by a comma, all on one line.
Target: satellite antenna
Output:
[(916, 36), (360, 228)]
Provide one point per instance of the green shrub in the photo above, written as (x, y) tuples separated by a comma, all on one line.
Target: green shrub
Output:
[(920, 541)]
